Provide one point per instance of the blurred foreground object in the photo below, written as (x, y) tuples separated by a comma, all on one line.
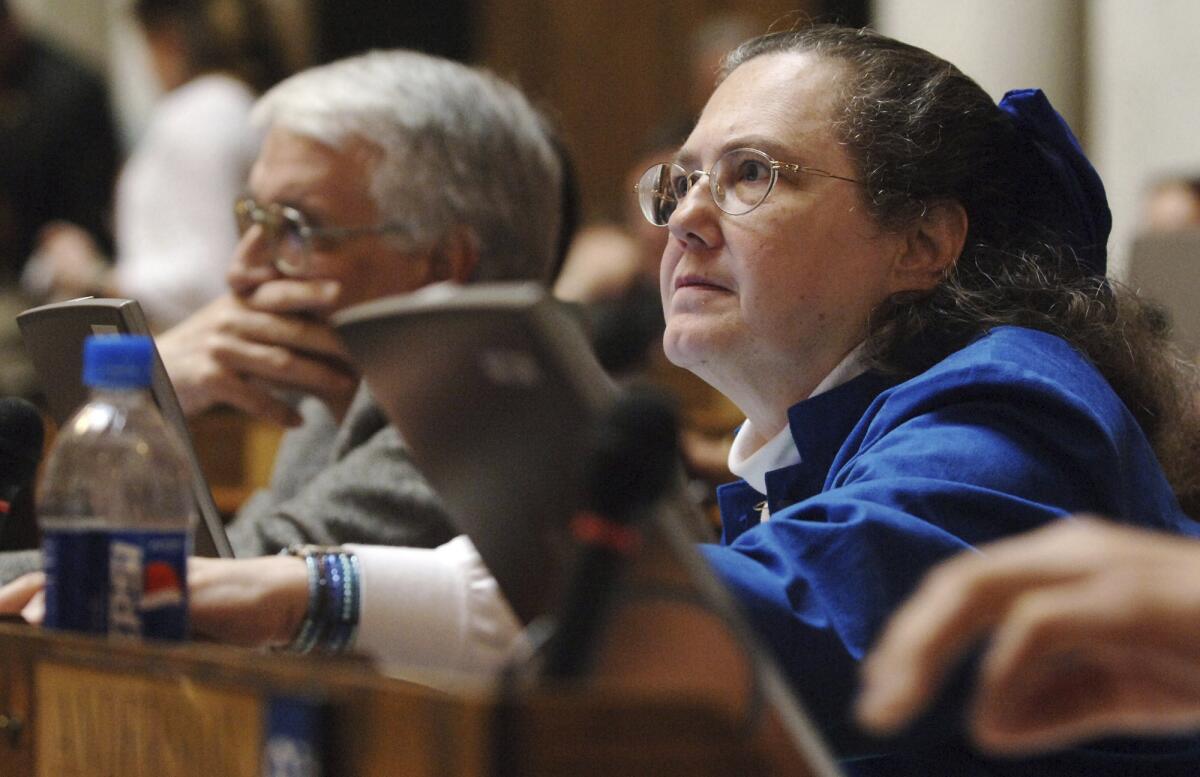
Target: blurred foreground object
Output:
[(1092, 632)]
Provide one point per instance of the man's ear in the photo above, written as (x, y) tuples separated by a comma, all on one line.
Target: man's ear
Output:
[(933, 244), (455, 256)]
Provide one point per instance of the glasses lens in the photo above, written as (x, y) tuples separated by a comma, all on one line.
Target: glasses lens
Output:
[(282, 228), (245, 213), (741, 180), (659, 191), (249, 213), (289, 229)]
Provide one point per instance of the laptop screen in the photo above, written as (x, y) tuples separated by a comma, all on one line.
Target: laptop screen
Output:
[(53, 336)]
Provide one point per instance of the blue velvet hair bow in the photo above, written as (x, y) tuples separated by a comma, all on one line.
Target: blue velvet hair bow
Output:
[(1084, 218)]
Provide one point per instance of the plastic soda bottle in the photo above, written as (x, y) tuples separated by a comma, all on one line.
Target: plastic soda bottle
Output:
[(115, 505)]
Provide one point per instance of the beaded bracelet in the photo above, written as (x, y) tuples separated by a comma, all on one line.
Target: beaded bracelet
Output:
[(342, 633), (306, 637), (334, 597)]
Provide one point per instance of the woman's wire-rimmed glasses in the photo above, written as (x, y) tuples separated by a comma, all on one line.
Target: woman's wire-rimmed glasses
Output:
[(739, 181), (292, 237)]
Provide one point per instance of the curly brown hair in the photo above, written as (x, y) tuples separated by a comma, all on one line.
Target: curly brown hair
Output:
[(922, 132)]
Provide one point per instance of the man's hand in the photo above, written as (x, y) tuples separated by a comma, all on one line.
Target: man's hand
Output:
[(244, 351), (1095, 630)]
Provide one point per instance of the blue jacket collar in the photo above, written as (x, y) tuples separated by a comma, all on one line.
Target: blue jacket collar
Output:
[(819, 426)]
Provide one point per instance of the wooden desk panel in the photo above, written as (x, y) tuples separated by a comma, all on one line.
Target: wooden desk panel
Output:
[(86, 706), (93, 722)]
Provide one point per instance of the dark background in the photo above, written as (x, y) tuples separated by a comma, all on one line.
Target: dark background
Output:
[(610, 72)]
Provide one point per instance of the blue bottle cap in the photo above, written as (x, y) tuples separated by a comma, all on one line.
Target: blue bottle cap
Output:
[(117, 361)]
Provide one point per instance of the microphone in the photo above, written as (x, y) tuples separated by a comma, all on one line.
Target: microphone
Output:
[(633, 462), (21, 438)]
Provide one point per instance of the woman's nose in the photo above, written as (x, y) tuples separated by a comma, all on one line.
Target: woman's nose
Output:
[(696, 219)]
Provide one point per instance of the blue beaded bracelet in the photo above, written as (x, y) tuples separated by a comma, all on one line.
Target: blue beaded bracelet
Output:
[(306, 637), (342, 634), (334, 597), (331, 569)]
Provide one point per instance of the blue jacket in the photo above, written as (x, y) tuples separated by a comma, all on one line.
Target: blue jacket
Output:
[(1009, 433)]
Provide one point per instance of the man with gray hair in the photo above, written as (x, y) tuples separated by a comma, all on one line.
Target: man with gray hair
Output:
[(378, 174)]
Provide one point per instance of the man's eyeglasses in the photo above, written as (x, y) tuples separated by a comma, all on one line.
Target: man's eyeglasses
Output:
[(739, 181), (292, 237)]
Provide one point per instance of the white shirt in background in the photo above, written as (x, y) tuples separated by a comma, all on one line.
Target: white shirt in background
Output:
[(175, 231)]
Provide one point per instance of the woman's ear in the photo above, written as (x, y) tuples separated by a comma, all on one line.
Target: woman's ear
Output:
[(933, 244), (455, 256)]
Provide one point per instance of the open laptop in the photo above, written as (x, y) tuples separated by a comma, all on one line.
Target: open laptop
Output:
[(53, 336), (494, 388)]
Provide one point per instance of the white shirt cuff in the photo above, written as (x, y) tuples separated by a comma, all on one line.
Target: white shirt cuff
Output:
[(436, 609)]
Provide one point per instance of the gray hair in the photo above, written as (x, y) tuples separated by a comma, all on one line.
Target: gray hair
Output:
[(460, 148)]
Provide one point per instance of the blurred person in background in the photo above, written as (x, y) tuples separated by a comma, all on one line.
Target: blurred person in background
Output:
[(612, 271), (58, 149), (175, 231), (1171, 204), (58, 159), (707, 47)]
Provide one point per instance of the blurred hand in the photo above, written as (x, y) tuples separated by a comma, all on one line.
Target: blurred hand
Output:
[(601, 265), (66, 264), (24, 596), (251, 602), (244, 351), (1095, 630)]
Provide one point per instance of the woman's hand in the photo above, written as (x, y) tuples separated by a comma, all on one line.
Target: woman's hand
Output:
[(24, 597), (1095, 630), (252, 602)]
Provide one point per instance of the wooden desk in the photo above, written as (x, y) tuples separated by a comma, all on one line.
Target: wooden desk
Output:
[(73, 705)]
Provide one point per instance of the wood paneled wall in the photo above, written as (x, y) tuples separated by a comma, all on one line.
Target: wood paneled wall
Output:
[(609, 70)]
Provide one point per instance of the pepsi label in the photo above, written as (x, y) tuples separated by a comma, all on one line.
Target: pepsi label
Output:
[(76, 566), (131, 583)]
